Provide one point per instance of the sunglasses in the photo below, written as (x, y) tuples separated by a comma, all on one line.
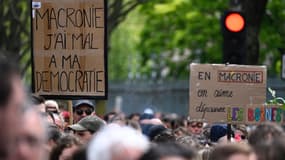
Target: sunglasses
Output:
[(198, 125), (80, 111)]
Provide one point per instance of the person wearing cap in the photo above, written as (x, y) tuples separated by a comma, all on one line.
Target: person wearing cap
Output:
[(87, 127), (82, 108), (218, 134), (51, 106)]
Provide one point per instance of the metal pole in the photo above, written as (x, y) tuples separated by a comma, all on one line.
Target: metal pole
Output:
[(229, 131)]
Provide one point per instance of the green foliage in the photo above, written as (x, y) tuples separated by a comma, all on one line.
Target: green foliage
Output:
[(272, 36), (15, 31), (123, 57), (176, 26), (15, 28), (179, 32), (276, 100), (159, 40)]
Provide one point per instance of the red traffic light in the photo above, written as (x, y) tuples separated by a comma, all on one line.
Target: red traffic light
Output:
[(234, 22)]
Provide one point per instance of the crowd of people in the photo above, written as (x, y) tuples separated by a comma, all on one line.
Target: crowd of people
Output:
[(34, 128)]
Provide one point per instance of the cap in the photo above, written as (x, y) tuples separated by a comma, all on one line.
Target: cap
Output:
[(88, 123), (217, 131), (77, 103), (65, 114), (148, 111), (51, 105)]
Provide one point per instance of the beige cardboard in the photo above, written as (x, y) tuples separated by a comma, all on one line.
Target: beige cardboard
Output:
[(69, 47), (217, 91)]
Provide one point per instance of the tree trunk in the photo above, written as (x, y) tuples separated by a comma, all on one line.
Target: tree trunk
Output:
[(253, 11)]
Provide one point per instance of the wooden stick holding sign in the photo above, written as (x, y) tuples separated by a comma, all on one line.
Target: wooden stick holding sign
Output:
[(70, 110)]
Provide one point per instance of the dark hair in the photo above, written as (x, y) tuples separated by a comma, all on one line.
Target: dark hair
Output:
[(264, 132), (37, 99), (204, 153), (133, 124), (53, 133), (223, 152), (106, 116), (80, 154), (271, 150), (8, 69), (163, 150), (133, 115), (189, 141), (161, 135), (182, 130), (116, 118), (174, 122), (64, 142)]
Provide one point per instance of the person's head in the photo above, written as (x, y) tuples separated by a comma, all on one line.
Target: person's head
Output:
[(80, 154), (169, 151), (134, 124), (82, 108), (204, 153), (195, 127), (180, 132), (218, 133), (264, 132), (189, 141), (241, 133), (67, 145), (86, 127), (52, 106), (159, 134), (118, 119), (231, 151), (115, 142), (171, 121), (53, 135), (108, 116), (32, 137), (271, 150), (134, 117), (12, 97)]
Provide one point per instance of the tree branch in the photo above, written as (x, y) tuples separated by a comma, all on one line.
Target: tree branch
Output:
[(25, 68), (119, 13)]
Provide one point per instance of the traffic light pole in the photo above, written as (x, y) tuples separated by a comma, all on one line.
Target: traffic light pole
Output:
[(233, 25)]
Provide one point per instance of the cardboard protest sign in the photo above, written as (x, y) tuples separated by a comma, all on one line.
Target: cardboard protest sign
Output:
[(69, 48), (220, 93), (256, 114)]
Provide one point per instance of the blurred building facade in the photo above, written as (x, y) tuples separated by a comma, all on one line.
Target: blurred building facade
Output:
[(166, 97)]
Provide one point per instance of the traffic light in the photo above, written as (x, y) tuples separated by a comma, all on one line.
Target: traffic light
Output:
[(234, 34)]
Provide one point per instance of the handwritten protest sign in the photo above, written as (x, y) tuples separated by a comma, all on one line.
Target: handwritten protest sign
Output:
[(69, 48), (220, 93)]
